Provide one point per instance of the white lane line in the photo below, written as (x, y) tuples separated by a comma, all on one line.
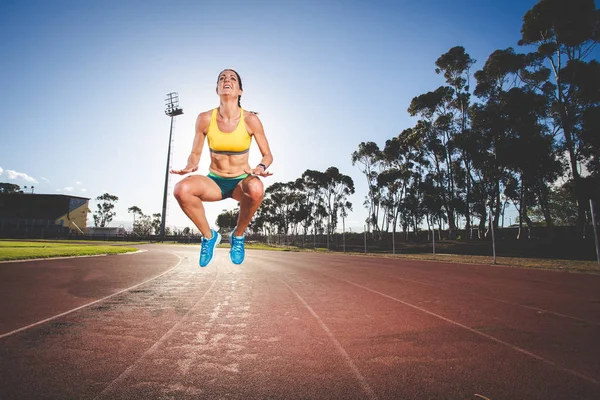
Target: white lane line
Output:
[(111, 386), (491, 298), (516, 348), (89, 304), (361, 379)]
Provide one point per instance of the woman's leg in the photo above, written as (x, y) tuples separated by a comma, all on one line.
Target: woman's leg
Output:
[(249, 193), (190, 192)]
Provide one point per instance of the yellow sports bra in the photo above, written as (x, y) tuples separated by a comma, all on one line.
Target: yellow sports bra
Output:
[(236, 142)]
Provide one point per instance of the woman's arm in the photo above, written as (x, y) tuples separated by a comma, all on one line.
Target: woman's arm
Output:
[(257, 130), (202, 123)]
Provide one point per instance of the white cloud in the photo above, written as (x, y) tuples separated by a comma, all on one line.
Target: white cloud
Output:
[(68, 189), (84, 190), (20, 175), (1, 170), (45, 180)]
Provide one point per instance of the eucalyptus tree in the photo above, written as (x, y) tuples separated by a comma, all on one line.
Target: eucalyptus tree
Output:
[(414, 207), (585, 79), (529, 151), (227, 220), (564, 32), (281, 204), (314, 204), (328, 192), (455, 66), (489, 132), (156, 221), (262, 219), (336, 189), (402, 157), (431, 202), (368, 156), (143, 225), (302, 217), (104, 213), (135, 211), (516, 152), (561, 207), (436, 133)]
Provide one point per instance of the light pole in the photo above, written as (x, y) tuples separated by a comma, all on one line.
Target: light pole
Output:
[(172, 110)]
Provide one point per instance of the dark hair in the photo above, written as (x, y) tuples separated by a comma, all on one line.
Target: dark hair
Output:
[(239, 81)]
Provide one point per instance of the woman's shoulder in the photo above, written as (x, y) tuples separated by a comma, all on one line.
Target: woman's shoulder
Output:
[(203, 120), (252, 121), (250, 116), (206, 114)]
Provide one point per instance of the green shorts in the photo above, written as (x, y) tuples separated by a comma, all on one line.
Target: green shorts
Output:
[(226, 184)]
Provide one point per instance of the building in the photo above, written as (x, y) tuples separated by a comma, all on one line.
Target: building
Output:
[(49, 213)]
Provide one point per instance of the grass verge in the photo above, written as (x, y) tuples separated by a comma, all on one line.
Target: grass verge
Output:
[(16, 250)]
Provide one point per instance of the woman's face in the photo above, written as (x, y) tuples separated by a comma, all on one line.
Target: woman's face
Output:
[(228, 84)]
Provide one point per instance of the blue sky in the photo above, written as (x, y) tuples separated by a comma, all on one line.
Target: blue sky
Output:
[(84, 84)]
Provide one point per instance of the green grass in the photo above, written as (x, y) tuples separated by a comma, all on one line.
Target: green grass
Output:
[(533, 263), (18, 250)]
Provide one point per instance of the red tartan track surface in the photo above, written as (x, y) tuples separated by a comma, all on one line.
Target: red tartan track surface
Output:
[(285, 325)]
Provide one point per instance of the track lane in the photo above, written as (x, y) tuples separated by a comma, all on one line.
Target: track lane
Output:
[(33, 291), (559, 344), (249, 338), (77, 355)]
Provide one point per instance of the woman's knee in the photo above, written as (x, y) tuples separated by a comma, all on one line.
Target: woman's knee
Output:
[(183, 189), (254, 189)]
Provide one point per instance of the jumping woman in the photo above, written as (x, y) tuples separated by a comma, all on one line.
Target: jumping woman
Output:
[(229, 130)]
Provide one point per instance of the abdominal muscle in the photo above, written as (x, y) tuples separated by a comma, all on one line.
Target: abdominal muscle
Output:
[(229, 166)]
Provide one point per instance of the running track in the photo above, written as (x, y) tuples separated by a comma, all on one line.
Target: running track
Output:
[(284, 325)]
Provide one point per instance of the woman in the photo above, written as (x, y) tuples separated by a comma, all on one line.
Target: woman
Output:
[(229, 130)]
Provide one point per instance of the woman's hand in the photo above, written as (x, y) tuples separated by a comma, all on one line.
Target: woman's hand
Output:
[(258, 171), (184, 171)]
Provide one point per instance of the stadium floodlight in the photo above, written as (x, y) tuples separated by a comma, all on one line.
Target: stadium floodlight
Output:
[(172, 110)]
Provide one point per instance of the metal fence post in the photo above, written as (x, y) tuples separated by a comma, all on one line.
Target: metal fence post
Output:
[(433, 236), (595, 231), (365, 235), (493, 236)]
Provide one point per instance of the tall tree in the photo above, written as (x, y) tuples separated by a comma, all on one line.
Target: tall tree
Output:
[(314, 203), (105, 210), (368, 156), (136, 212), (337, 187), (564, 31), (436, 133), (403, 159), (456, 65), (489, 135), (156, 221), (227, 220), (528, 151), (308, 198)]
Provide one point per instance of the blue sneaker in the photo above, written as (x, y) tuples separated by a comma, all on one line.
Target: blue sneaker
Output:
[(237, 249), (208, 247)]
